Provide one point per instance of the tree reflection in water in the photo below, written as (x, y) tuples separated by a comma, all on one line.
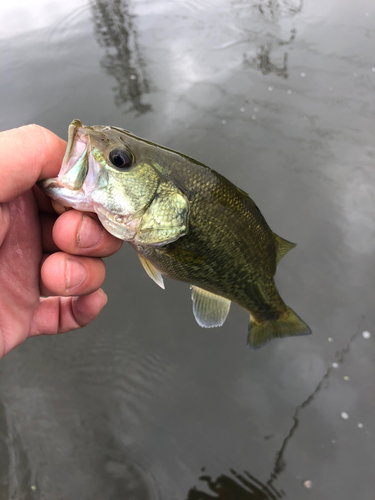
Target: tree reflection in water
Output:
[(267, 20), (238, 487), (115, 31)]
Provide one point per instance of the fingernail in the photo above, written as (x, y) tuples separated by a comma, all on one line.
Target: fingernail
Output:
[(75, 273), (90, 233)]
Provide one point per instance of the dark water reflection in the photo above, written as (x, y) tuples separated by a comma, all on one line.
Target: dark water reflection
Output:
[(235, 487), (115, 30), (266, 20), (278, 96)]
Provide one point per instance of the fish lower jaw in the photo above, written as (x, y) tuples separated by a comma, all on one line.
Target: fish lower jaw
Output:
[(118, 225), (66, 196)]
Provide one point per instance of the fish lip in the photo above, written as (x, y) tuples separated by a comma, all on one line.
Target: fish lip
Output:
[(72, 131)]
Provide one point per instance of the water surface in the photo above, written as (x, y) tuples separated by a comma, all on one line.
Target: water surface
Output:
[(279, 97)]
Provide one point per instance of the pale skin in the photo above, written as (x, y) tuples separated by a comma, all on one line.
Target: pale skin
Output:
[(50, 266)]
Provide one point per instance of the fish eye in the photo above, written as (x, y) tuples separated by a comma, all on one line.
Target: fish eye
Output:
[(121, 158)]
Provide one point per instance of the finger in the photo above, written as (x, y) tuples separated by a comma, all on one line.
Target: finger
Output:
[(63, 274), (82, 234), (28, 153), (63, 314), (4, 221)]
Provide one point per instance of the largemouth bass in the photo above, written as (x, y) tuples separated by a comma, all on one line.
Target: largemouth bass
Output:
[(184, 220)]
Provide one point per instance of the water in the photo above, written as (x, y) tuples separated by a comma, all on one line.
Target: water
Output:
[(143, 404)]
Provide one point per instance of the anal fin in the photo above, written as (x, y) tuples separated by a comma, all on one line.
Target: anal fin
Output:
[(209, 309), (153, 273)]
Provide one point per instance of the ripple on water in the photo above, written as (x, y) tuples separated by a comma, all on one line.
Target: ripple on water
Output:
[(133, 374)]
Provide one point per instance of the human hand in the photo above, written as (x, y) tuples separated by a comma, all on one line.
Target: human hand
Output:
[(50, 270)]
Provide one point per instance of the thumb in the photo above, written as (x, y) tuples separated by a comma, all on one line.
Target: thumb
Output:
[(4, 222), (27, 154)]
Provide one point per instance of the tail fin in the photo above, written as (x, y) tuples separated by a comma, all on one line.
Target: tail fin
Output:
[(289, 324)]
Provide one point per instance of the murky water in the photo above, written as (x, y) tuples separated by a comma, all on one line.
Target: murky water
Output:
[(278, 96)]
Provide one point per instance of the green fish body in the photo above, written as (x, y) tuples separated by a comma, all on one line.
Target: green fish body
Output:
[(185, 221)]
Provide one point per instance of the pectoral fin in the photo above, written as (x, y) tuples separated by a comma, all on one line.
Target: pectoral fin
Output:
[(151, 270), (282, 247), (166, 219), (209, 309)]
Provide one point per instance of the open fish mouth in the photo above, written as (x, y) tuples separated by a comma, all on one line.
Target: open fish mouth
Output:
[(69, 188), (74, 167)]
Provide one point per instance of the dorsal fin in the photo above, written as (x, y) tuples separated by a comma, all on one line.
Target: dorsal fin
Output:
[(209, 309), (282, 247), (151, 270)]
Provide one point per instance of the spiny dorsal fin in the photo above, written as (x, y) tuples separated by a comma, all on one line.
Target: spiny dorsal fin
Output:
[(209, 309), (282, 247), (154, 274)]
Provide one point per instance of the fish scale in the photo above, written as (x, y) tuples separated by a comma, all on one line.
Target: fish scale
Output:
[(228, 229)]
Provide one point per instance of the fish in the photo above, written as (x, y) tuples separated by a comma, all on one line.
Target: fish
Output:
[(186, 222)]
